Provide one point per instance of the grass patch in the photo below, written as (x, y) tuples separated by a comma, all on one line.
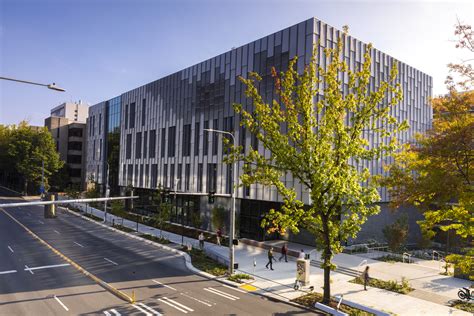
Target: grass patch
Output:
[(204, 263), (161, 240), (392, 285), (96, 218), (463, 305), (313, 298), (238, 277), (123, 228)]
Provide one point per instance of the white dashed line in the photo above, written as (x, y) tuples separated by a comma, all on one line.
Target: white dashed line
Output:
[(57, 232), (170, 287), (111, 261), (7, 272), (62, 304), (197, 300), (46, 267), (40, 222), (115, 312), (10, 249), (78, 244), (149, 309), (170, 302)]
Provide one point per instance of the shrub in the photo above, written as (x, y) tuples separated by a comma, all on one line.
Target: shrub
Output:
[(392, 285), (239, 277), (396, 233)]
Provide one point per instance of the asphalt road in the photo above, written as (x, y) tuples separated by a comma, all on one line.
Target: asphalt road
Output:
[(159, 279)]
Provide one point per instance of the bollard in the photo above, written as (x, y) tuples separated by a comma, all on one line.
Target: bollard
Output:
[(133, 297)]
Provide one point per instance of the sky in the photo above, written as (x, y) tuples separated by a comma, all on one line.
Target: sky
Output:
[(99, 49)]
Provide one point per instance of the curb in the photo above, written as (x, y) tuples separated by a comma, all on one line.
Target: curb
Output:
[(188, 263)]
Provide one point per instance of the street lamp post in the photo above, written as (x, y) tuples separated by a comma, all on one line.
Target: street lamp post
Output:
[(51, 86), (107, 192), (232, 212)]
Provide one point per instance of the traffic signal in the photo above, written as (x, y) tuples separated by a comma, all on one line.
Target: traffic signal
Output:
[(211, 197)]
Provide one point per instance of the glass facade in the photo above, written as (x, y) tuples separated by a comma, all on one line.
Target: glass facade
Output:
[(113, 109)]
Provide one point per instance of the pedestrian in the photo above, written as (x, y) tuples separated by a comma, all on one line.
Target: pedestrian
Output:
[(270, 258), (284, 251), (218, 236), (201, 241), (302, 255), (365, 276)]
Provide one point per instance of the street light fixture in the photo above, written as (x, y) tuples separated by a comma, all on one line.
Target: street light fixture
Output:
[(51, 86), (232, 213)]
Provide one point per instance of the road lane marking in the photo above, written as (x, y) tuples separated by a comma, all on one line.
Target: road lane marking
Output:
[(107, 313), (78, 244), (111, 261), (40, 222), (142, 310), (149, 309), (234, 288), (170, 287), (197, 300), (223, 294), (57, 232), (46, 267), (113, 310), (172, 305), (8, 271), (10, 249), (178, 304), (248, 287), (62, 304), (28, 269)]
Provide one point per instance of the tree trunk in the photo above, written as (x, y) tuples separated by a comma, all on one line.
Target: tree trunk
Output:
[(327, 262), (26, 187)]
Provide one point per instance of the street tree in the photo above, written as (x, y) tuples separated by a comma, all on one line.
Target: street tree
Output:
[(322, 143), (28, 149)]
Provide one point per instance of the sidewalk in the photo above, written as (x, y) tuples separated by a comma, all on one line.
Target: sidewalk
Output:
[(279, 283)]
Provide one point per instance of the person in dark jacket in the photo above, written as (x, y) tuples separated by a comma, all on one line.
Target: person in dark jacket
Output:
[(284, 252), (270, 259), (366, 277)]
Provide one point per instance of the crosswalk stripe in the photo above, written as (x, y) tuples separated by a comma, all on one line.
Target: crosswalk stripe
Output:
[(225, 295), (115, 312), (197, 300), (179, 304), (149, 309), (174, 306), (107, 313), (142, 310), (170, 287)]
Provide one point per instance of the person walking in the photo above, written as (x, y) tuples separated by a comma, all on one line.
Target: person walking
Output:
[(284, 252), (270, 258), (219, 236), (365, 276), (201, 241)]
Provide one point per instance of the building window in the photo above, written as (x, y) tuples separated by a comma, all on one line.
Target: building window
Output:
[(254, 142), (206, 139), (128, 153), (124, 175), (74, 159), (171, 141), (152, 146), (211, 177), (132, 115), (199, 178), (228, 127), (229, 175), (130, 175), (147, 175), (135, 181), (143, 112), (75, 145), (187, 173), (215, 137), (138, 145), (165, 176), (196, 139), (126, 116), (186, 140), (172, 179), (99, 149), (163, 142), (100, 123), (93, 151), (180, 176), (145, 144), (154, 175), (242, 138)]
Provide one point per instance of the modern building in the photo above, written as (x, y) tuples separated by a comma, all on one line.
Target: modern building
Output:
[(67, 125), (153, 135)]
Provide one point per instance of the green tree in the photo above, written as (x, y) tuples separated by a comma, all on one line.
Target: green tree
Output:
[(163, 215), (321, 144), (28, 148), (396, 233)]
